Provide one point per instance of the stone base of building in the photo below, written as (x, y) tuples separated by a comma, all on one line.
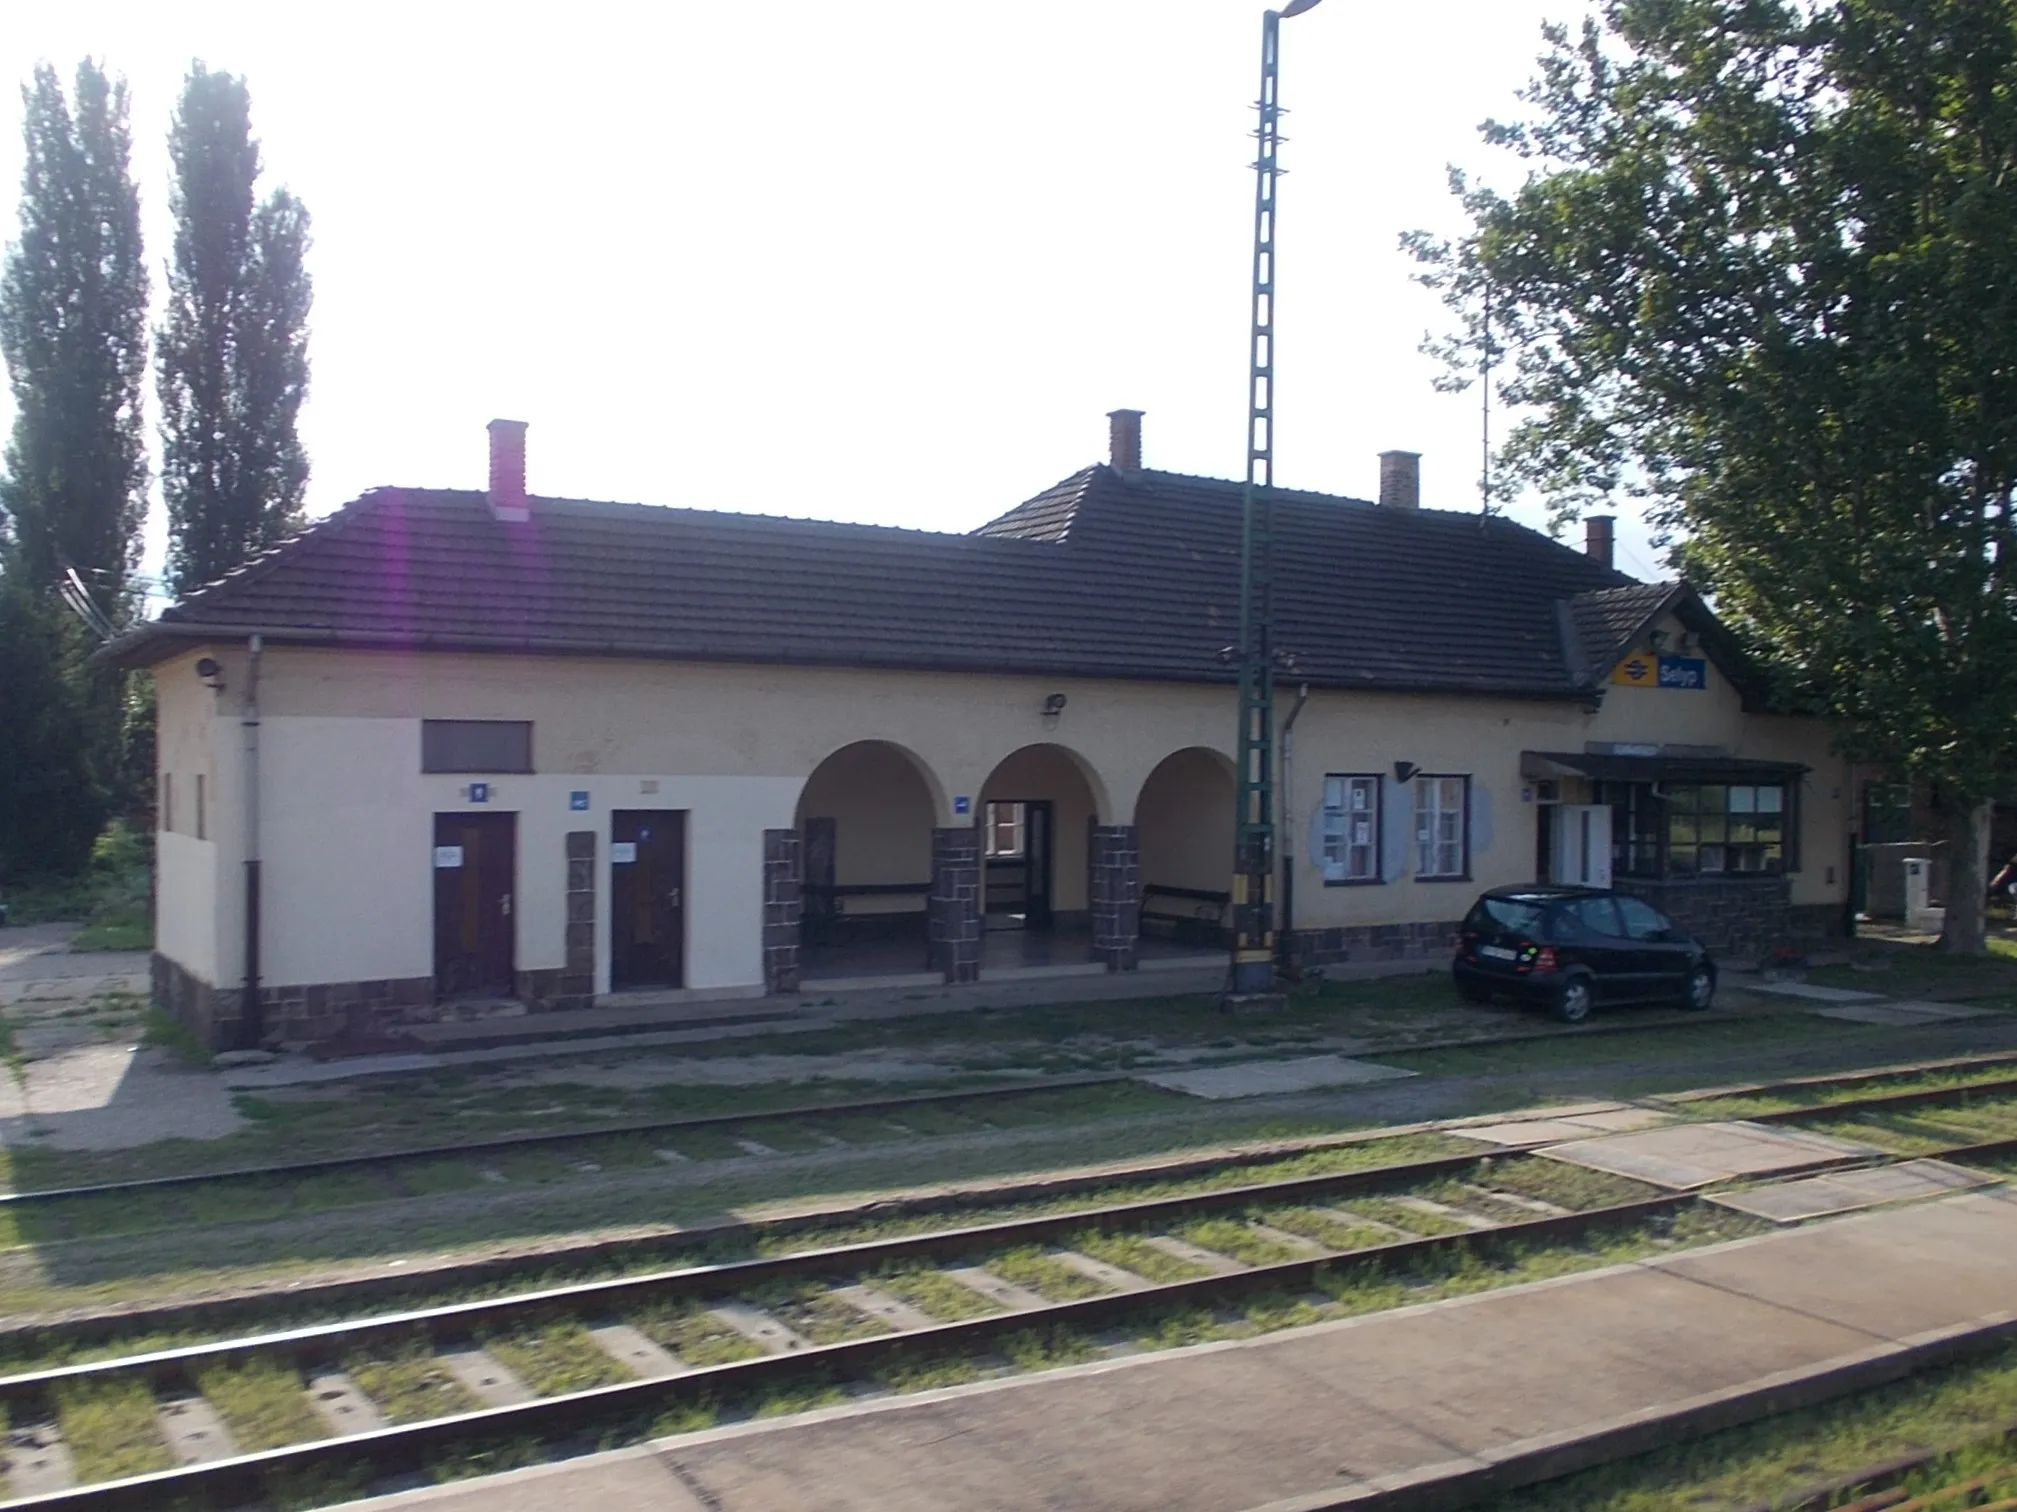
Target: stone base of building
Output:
[(1305, 948), (1740, 919), (339, 1010)]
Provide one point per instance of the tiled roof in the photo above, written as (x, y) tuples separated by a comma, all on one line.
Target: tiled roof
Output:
[(1605, 621), (1105, 574)]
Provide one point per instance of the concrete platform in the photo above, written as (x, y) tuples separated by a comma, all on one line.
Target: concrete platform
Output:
[(1348, 1412), (1891, 1014), (1270, 1077), (1526, 1133), (1811, 993), (1847, 1191), (1685, 1156)]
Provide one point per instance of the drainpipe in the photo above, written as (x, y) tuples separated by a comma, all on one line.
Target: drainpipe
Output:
[(251, 1018), (1286, 828)]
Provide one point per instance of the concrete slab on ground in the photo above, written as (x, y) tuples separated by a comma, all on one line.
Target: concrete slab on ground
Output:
[(1323, 1416), (1264, 1078), (1523, 1133), (1685, 1156), (1812, 993), (1847, 1191), (1902, 1013)]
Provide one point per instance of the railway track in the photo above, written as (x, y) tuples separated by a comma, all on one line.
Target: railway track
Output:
[(257, 1415)]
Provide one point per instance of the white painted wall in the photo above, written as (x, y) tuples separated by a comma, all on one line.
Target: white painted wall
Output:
[(348, 817), (185, 898), (348, 836)]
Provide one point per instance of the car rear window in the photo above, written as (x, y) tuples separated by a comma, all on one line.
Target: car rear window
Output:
[(1514, 915)]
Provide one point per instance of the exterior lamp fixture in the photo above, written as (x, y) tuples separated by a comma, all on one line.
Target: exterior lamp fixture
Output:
[(211, 673), (1404, 771), (1054, 708)]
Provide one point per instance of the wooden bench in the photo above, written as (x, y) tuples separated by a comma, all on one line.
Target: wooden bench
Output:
[(828, 923), (1187, 915)]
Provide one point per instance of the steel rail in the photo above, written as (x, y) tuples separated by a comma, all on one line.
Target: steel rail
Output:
[(297, 1170), (1880, 1102), (244, 1309), (401, 1450), (461, 1320), (1836, 1079)]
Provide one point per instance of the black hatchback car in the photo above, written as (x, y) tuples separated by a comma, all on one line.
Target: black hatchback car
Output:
[(1577, 948)]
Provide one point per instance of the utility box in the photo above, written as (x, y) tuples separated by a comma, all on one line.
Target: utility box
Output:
[(1920, 914)]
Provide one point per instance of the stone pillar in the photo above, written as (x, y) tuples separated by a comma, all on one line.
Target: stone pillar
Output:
[(783, 908), (577, 978), (1116, 894), (954, 915)]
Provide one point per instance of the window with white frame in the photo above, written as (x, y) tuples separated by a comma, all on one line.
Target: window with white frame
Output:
[(1442, 826), (1351, 850), (1006, 830)]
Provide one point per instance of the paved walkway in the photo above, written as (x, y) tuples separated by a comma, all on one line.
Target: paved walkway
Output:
[(1346, 1412), (36, 966)]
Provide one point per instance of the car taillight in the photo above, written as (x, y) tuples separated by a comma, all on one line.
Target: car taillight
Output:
[(1545, 961)]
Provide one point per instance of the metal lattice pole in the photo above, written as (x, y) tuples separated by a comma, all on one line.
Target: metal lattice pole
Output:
[(1253, 966)]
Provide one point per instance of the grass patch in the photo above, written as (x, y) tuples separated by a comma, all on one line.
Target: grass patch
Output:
[(784, 1401), (1050, 1278), (1956, 1409), (1049, 1348), (410, 1385), (111, 1429), (1131, 1252), (810, 1310), (688, 1417), (175, 1036), (122, 925), (1409, 1220), (934, 1293), (694, 1334), (263, 1403), (785, 1138), (924, 1372), (555, 1359), (1229, 1236), (1332, 1230), (1564, 1185), (1556, 1051), (485, 1457)]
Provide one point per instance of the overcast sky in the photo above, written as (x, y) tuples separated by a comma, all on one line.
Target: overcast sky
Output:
[(890, 261)]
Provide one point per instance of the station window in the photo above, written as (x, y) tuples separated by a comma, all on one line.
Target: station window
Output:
[(1351, 828), (1443, 827)]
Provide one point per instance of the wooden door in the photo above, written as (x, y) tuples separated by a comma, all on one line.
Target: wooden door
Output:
[(647, 892), (475, 931)]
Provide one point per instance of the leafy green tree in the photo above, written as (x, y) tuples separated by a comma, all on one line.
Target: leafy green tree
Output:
[(73, 332), (233, 352), (1762, 274)]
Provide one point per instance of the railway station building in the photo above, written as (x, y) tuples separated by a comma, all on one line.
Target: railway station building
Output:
[(454, 752)]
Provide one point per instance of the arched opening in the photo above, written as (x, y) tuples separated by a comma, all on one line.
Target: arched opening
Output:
[(1184, 828), (1036, 813), (865, 818)]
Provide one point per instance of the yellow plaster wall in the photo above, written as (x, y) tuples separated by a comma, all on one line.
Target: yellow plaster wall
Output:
[(1184, 821)]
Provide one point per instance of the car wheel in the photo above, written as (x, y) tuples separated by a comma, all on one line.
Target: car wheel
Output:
[(1701, 991), (1474, 992), (1573, 1005)]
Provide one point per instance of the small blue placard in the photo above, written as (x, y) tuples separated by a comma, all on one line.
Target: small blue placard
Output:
[(1684, 672), (578, 801), (962, 804), (479, 792)]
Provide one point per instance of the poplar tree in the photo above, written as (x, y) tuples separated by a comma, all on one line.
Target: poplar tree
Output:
[(73, 333), (233, 351), (1762, 275)]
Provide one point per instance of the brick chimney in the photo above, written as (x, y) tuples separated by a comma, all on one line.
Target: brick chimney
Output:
[(507, 471), (1401, 479), (1124, 440), (1599, 536)]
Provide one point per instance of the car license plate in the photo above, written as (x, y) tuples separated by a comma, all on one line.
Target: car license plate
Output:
[(1498, 953)]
